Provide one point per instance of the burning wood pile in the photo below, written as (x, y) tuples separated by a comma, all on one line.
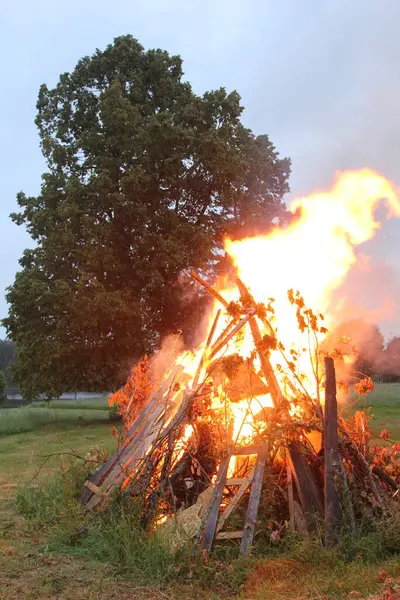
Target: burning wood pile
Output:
[(244, 433), (206, 444)]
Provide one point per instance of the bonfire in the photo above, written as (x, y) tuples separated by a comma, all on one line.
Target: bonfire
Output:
[(249, 420)]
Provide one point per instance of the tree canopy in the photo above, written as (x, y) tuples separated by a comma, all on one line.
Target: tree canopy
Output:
[(144, 179)]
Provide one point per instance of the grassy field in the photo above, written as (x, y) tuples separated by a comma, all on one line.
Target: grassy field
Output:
[(34, 567), (384, 405)]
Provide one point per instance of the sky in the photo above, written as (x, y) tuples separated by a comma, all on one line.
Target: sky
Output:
[(321, 78)]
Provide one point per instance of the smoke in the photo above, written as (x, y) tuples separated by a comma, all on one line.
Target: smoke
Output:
[(371, 291), (164, 359)]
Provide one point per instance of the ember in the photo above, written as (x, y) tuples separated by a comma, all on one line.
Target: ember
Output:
[(249, 403)]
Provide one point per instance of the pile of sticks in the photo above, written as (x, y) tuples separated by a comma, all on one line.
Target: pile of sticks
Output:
[(317, 486)]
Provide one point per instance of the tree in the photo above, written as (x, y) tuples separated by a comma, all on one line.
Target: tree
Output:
[(144, 180), (391, 360)]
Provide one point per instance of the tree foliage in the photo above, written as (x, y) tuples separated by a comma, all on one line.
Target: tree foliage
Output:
[(144, 179)]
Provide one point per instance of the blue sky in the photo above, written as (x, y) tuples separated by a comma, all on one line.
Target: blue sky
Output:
[(322, 78)]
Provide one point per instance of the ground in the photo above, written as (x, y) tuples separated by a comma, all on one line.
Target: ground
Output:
[(29, 570)]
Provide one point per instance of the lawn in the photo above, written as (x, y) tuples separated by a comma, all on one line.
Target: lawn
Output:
[(31, 569)]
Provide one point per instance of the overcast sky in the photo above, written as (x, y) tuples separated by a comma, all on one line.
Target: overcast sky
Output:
[(321, 77)]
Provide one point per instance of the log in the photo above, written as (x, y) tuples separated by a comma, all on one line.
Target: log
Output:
[(333, 516)]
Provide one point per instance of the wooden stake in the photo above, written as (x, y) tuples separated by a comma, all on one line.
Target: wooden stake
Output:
[(332, 466)]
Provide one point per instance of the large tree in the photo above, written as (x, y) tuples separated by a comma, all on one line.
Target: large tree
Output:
[(144, 179)]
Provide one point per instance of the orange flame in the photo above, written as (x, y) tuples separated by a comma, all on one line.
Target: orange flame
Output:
[(313, 255)]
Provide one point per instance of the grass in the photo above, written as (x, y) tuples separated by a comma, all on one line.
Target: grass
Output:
[(49, 550), (29, 418), (384, 404)]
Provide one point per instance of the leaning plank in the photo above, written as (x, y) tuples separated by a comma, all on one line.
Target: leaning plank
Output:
[(254, 500), (212, 519), (209, 288), (309, 492), (235, 501)]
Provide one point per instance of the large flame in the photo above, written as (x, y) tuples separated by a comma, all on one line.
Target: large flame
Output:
[(316, 252), (312, 255)]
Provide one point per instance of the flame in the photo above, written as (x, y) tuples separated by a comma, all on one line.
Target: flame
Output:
[(313, 255), (316, 252)]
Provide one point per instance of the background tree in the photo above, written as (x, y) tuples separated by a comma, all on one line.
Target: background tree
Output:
[(367, 340), (144, 180), (390, 368)]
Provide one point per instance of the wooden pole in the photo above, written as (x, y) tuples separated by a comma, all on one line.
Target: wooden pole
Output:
[(332, 466)]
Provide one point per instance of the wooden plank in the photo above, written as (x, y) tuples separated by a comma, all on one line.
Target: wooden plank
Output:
[(94, 488), (119, 455), (235, 481), (309, 492), (212, 519), (229, 535), (333, 516), (248, 450), (289, 475), (254, 500), (235, 501)]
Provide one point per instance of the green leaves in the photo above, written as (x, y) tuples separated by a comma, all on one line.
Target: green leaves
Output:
[(144, 181)]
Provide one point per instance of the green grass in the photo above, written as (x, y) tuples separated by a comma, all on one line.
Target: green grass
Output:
[(21, 455), (384, 404), (112, 558), (29, 418)]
